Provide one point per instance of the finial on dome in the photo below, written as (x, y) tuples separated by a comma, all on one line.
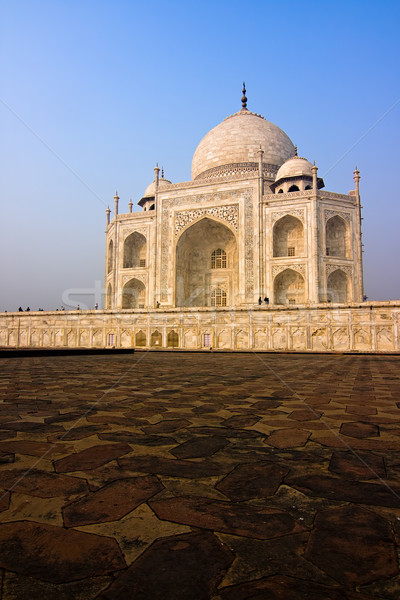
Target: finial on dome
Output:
[(162, 173), (295, 151), (244, 99)]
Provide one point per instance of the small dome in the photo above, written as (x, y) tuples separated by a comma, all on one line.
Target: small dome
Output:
[(295, 167), (237, 140), (151, 189)]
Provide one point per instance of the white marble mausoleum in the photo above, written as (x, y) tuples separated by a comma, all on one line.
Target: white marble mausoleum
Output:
[(252, 254)]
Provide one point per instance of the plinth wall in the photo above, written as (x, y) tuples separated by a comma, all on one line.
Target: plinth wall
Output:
[(366, 327)]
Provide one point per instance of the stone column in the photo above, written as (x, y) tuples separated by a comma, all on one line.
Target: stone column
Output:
[(314, 284), (261, 249), (359, 247), (116, 253), (157, 247)]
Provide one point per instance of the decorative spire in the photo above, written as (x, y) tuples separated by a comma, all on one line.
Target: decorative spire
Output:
[(244, 99), (162, 173), (357, 181), (156, 173), (295, 151), (130, 204), (116, 198)]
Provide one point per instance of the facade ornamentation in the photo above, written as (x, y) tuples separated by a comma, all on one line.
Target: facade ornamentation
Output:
[(228, 213), (330, 268), (334, 213), (139, 276), (293, 212), (299, 267)]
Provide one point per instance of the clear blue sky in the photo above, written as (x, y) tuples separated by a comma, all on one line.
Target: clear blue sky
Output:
[(94, 93)]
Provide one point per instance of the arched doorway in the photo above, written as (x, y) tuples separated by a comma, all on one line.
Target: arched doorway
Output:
[(336, 237), (337, 287), (133, 294), (134, 251), (288, 237), (289, 287), (206, 259)]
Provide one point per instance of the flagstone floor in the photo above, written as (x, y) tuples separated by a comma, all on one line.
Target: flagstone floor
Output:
[(200, 476)]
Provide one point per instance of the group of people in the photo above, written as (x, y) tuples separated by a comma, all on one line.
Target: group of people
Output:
[(96, 306), (266, 300)]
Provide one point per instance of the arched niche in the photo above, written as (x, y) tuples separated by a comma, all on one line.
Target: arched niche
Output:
[(156, 338), (110, 256), (140, 339), (109, 296), (336, 236), (133, 294), (288, 237), (172, 339), (196, 276), (135, 251), (289, 287), (338, 287)]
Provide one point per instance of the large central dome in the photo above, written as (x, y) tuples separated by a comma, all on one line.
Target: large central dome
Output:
[(232, 147)]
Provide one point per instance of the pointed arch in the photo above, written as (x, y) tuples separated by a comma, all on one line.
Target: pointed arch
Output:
[(338, 287), (135, 250), (140, 339), (288, 237), (218, 259), (109, 301), (110, 256), (172, 339), (156, 338), (133, 294), (336, 236), (198, 270), (289, 287)]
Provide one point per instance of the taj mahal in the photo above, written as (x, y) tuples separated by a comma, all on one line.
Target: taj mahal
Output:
[(252, 254)]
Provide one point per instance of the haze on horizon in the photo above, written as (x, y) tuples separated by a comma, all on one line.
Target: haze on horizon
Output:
[(93, 94)]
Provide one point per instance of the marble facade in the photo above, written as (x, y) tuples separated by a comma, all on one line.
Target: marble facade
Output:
[(251, 254)]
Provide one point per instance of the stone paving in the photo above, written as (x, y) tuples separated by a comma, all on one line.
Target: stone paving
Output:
[(200, 476)]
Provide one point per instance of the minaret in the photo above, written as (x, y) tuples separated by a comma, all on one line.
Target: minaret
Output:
[(130, 204), (108, 211), (360, 275), (261, 249), (116, 198), (156, 175), (357, 182), (314, 170), (315, 258)]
